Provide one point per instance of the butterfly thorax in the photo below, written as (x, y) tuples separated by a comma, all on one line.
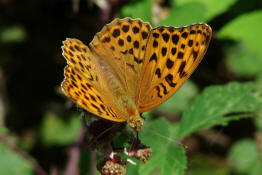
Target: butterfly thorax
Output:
[(133, 117), (125, 103)]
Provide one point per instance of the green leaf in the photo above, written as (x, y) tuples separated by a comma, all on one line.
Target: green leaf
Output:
[(141, 9), (12, 34), (180, 101), (12, 163), (152, 129), (171, 161), (55, 131), (182, 15), (247, 29), (242, 62), (245, 157), (215, 104), (132, 169), (212, 8), (167, 158)]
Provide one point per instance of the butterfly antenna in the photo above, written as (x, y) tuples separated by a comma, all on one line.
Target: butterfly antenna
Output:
[(132, 141), (176, 142), (100, 135)]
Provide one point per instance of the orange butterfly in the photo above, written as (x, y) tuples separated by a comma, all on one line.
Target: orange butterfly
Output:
[(130, 68)]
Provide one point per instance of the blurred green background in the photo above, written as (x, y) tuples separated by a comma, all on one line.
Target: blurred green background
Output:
[(216, 115)]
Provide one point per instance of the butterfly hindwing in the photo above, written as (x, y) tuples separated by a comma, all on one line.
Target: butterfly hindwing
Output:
[(172, 54), (82, 85)]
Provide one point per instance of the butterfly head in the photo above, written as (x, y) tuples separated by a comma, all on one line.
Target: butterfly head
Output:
[(135, 123), (134, 119)]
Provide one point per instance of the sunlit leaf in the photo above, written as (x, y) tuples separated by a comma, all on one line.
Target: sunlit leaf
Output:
[(212, 7), (247, 29), (140, 9), (221, 104)]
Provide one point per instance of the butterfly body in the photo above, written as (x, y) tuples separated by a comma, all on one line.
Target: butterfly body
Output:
[(117, 92), (130, 68)]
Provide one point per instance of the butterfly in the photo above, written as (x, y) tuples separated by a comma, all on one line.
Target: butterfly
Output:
[(130, 68)]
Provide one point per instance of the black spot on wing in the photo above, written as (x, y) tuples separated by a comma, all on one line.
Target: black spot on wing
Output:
[(173, 51), (155, 35), (161, 29), (164, 88), (112, 48), (171, 29), (153, 57), (97, 108), (169, 80), (195, 54), (192, 32), (77, 48), (155, 43), (181, 71), (165, 37), (130, 51), (72, 49), (199, 31), (144, 34), (184, 35), (169, 63), (120, 42), (92, 97), (125, 28), (128, 38), (138, 61), (163, 51), (124, 52), (158, 92), (116, 33), (190, 43), (180, 55), (136, 44), (175, 39), (158, 73), (106, 40), (135, 29)]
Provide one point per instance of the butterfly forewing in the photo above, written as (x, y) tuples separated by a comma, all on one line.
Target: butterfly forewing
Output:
[(122, 44), (172, 54)]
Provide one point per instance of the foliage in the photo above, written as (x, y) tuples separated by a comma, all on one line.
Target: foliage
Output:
[(54, 131), (244, 157), (245, 29), (221, 104), (12, 163)]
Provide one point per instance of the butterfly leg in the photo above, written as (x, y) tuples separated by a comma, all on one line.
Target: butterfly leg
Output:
[(141, 114)]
